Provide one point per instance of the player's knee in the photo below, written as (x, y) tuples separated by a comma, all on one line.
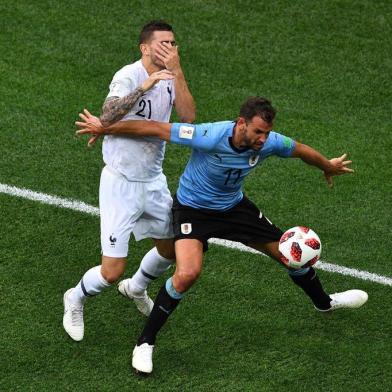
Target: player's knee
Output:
[(112, 268), (166, 249), (167, 253), (185, 279), (111, 275)]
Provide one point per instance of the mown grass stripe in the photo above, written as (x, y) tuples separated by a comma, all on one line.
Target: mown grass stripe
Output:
[(80, 206)]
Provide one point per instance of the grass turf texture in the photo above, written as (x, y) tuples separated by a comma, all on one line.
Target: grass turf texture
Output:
[(244, 326)]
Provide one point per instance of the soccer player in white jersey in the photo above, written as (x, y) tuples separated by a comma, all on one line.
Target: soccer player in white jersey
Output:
[(210, 203), (133, 196)]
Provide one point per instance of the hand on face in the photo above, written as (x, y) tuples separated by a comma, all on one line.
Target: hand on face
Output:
[(168, 54)]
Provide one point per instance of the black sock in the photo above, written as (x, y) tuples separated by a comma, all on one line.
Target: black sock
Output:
[(163, 307), (311, 284)]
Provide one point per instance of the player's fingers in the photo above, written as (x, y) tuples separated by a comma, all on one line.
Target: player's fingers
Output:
[(164, 47), (80, 124), (343, 157), (328, 178), (92, 141), (345, 163), (86, 113), (175, 50), (160, 56), (164, 77), (164, 74), (170, 48), (83, 117), (86, 125), (82, 132), (160, 52)]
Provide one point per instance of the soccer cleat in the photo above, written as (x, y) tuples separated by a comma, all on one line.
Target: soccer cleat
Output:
[(73, 318), (347, 299), (142, 301), (142, 358)]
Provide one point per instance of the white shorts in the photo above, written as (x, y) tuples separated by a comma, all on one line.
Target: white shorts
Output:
[(141, 208)]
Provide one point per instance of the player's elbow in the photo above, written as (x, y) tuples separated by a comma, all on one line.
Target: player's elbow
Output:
[(188, 117)]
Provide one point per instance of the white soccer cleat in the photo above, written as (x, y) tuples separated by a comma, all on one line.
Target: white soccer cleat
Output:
[(347, 299), (73, 318), (142, 301), (142, 358)]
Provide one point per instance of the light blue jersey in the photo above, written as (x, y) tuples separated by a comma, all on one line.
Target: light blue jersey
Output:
[(215, 173)]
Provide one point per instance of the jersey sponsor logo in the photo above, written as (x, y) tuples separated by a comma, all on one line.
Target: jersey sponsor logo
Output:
[(253, 159), (186, 228), (186, 132)]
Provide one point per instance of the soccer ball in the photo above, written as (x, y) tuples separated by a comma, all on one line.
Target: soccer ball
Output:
[(300, 247)]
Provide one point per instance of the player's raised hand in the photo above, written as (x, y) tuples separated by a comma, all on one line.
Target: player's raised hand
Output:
[(91, 125), (339, 167), (168, 54), (155, 77)]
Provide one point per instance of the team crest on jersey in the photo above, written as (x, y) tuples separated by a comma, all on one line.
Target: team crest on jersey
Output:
[(253, 159), (112, 240), (186, 228), (186, 132)]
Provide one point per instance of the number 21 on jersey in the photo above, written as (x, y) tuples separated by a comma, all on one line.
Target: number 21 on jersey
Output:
[(145, 109)]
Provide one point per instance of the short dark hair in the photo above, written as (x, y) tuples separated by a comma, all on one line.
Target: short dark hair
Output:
[(149, 28), (258, 106)]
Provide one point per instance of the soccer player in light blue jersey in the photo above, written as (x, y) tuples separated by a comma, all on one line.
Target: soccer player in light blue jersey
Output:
[(209, 202)]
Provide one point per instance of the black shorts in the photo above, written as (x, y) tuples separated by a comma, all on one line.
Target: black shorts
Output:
[(242, 223)]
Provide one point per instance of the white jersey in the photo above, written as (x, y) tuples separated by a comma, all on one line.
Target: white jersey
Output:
[(139, 158)]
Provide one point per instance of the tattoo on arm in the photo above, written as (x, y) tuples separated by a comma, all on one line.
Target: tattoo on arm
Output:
[(114, 108)]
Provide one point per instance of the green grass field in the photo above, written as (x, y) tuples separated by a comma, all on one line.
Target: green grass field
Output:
[(327, 67)]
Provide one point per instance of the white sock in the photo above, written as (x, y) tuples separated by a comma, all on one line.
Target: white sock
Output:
[(91, 284), (151, 267)]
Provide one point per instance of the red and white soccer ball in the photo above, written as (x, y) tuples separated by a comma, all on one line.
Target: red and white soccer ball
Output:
[(300, 247)]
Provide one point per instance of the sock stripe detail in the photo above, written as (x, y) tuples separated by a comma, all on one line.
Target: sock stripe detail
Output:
[(84, 289), (147, 275)]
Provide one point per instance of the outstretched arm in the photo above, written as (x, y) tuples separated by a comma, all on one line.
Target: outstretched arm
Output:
[(330, 167), (92, 125)]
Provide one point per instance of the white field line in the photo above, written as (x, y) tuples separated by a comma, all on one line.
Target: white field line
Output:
[(91, 210), (322, 265)]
